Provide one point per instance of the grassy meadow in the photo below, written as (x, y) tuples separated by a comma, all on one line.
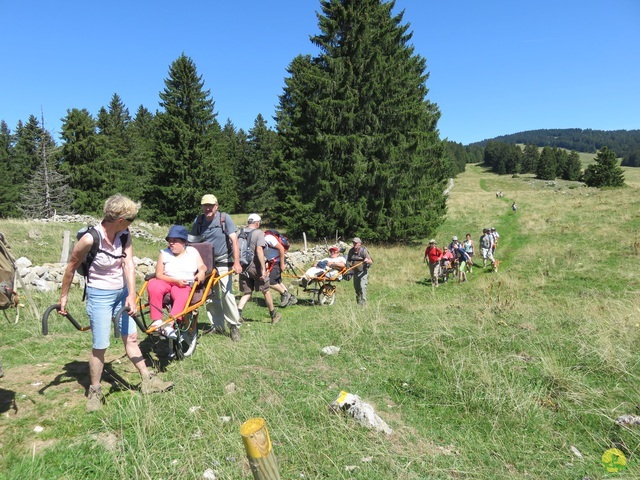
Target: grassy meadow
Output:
[(496, 378)]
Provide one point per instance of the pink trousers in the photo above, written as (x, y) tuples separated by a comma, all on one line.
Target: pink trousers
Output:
[(157, 289)]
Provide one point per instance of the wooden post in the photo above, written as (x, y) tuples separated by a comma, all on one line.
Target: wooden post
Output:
[(257, 444), (304, 236), (64, 256)]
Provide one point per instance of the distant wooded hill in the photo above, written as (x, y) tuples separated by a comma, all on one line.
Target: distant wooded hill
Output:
[(625, 143)]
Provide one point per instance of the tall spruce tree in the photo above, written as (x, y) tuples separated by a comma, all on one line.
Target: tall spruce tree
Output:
[(25, 152), (228, 147), (530, 157), (259, 171), (183, 145), (605, 172), (83, 162), (115, 127), (572, 167), (9, 189), (362, 153), (141, 132), (546, 169)]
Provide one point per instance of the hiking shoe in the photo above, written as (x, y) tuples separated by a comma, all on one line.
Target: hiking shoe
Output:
[(234, 331), (95, 399), (213, 329), (284, 299), (152, 384), (293, 300), (169, 332), (276, 318)]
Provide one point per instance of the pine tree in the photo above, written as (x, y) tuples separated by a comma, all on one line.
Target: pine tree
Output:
[(546, 169), (140, 158), (359, 137), (258, 171), (632, 160), (183, 149), (562, 157), (82, 161), (9, 190), (113, 123), (605, 172), (229, 150), (25, 152), (530, 158), (573, 167)]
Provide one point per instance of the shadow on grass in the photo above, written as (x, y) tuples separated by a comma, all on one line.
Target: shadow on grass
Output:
[(8, 401), (78, 372)]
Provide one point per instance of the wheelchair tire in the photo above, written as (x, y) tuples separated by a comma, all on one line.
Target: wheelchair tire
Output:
[(327, 295)]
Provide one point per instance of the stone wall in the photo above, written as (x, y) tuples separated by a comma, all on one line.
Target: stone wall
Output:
[(48, 277)]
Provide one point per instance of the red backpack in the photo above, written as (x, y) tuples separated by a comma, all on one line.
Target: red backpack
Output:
[(282, 239)]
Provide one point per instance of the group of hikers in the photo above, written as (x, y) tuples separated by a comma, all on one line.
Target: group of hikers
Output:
[(111, 281), (457, 257)]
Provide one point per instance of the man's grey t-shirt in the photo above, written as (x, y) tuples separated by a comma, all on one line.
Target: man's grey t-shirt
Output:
[(213, 233)]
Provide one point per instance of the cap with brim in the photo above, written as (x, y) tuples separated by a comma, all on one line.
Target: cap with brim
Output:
[(432, 241), (334, 249), (356, 240), (253, 218), (209, 200), (177, 231)]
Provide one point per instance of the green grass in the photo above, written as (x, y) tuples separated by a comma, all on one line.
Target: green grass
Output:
[(493, 379)]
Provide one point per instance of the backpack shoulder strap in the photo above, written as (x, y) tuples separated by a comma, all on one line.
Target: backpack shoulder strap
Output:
[(223, 223), (91, 255), (199, 222), (95, 246), (124, 238)]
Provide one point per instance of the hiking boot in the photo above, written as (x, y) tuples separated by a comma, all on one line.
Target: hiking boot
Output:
[(95, 399), (276, 318), (293, 300), (285, 298), (152, 384), (234, 331), (169, 332)]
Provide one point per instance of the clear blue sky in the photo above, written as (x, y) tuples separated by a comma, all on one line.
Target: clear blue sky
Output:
[(497, 67)]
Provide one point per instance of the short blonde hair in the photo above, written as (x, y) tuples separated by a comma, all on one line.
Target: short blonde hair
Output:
[(118, 206)]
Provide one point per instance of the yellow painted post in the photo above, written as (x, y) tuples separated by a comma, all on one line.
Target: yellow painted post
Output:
[(257, 444)]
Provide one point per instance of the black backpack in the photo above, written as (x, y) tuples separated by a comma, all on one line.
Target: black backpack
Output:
[(83, 269)]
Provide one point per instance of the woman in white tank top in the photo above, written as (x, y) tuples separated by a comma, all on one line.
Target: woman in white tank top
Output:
[(177, 268)]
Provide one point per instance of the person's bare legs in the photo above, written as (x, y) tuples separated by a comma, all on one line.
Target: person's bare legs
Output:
[(132, 350), (96, 366), (243, 300)]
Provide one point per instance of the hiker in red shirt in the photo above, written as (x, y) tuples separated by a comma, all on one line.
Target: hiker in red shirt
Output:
[(432, 254)]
